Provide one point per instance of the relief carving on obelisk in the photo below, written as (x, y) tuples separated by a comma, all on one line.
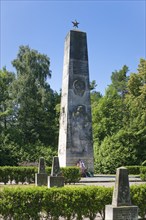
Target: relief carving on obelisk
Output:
[(80, 129), (79, 87)]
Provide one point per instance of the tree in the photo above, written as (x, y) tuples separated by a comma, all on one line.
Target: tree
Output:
[(6, 107), (119, 80), (120, 149), (35, 101), (119, 121)]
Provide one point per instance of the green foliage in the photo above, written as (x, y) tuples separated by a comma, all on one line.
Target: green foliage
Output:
[(143, 173), (138, 198), (28, 115), (71, 174), (31, 153), (6, 103), (135, 170), (67, 202), (17, 174), (9, 154), (119, 121), (117, 150), (21, 174), (119, 80)]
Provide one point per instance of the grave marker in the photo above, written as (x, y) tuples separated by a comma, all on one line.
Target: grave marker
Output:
[(56, 178), (41, 178), (121, 208)]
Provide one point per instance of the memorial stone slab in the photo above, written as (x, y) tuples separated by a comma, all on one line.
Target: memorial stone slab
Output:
[(56, 178), (75, 133), (55, 171), (41, 178), (121, 208)]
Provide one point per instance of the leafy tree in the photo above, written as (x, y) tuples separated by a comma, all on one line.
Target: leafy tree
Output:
[(6, 78), (119, 121), (117, 150), (34, 98), (119, 80), (107, 115)]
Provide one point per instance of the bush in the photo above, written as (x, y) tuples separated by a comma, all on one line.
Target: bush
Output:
[(17, 174), (143, 173), (135, 170), (68, 202), (138, 197), (27, 174), (71, 174)]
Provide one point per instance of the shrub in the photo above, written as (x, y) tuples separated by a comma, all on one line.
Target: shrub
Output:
[(27, 174), (71, 174), (138, 197), (17, 174), (67, 202), (143, 173), (135, 170)]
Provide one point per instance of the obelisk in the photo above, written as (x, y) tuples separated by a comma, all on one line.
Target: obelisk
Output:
[(75, 133)]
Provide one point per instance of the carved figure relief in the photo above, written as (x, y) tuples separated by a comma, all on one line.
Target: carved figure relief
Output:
[(79, 87), (81, 130)]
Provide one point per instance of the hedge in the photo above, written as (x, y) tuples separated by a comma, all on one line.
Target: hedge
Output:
[(138, 197), (135, 170), (27, 174), (143, 173), (68, 202), (71, 174)]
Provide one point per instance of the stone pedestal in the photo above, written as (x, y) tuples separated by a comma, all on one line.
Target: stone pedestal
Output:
[(75, 133), (57, 181), (121, 212), (121, 208), (41, 179)]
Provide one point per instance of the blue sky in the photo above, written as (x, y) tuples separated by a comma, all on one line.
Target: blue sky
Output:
[(116, 34)]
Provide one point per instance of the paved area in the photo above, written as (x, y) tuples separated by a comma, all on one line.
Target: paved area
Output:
[(107, 181)]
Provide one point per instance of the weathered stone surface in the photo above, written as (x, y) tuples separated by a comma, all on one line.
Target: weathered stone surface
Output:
[(121, 208), (121, 213), (41, 167), (75, 134), (121, 195), (41, 178), (55, 167), (57, 181)]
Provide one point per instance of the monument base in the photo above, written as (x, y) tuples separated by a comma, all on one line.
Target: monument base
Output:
[(121, 212), (41, 179), (57, 181)]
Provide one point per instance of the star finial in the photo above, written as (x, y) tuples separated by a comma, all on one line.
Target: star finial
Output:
[(75, 23)]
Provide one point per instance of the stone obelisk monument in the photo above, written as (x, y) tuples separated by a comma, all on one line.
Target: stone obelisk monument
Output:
[(75, 134)]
